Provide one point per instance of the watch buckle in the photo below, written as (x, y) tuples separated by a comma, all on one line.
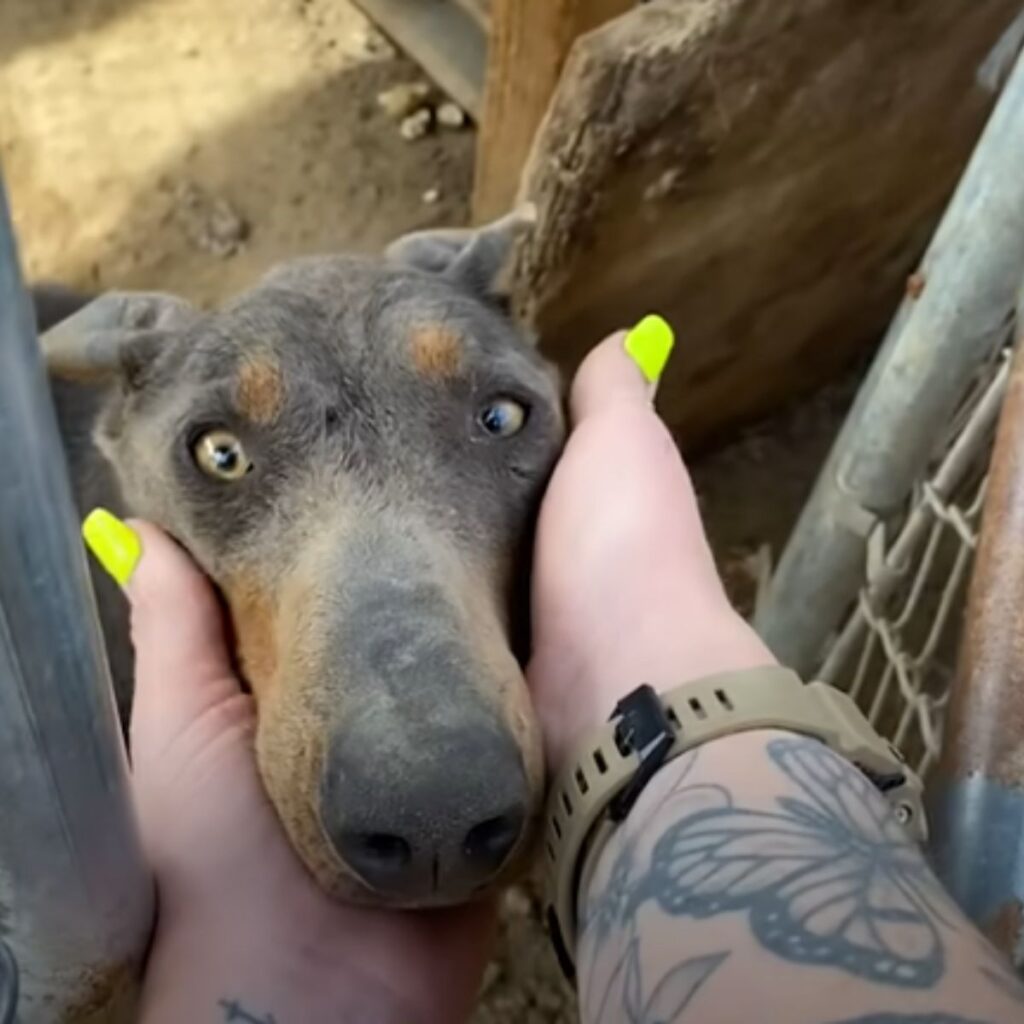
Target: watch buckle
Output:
[(643, 728)]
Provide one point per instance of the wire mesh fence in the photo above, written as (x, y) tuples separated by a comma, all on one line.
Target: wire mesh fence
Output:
[(951, 321), (895, 652), (871, 590)]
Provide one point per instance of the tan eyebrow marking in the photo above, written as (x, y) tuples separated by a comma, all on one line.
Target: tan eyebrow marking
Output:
[(260, 389), (436, 351)]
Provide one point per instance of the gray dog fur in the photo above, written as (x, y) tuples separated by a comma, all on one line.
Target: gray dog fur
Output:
[(372, 561)]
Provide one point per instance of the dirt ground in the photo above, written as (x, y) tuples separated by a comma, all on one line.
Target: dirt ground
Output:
[(191, 145), (187, 146)]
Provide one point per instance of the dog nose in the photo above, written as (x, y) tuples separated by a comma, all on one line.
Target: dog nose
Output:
[(402, 866), (431, 829), (489, 842), (379, 859)]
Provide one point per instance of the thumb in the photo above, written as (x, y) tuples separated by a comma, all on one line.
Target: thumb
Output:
[(182, 664), (623, 370)]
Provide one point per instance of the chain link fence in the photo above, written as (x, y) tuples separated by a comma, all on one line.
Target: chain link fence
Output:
[(871, 591), (895, 652)]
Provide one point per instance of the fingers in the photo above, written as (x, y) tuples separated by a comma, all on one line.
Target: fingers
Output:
[(182, 664), (623, 370), (625, 587), (620, 445)]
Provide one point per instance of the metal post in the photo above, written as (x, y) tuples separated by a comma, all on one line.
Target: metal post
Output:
[(939, 335), (978, 795), (76, 901)]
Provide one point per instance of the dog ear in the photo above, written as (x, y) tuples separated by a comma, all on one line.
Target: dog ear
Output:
[(116, 335), (472, 258)]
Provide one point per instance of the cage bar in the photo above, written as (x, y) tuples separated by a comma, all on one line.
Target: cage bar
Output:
[(76, 901), (978, 794)]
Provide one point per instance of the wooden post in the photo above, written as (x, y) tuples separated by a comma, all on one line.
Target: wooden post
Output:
[(529, 41), (686, 166)]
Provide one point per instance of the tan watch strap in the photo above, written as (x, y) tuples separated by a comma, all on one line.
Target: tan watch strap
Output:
[(609, 770)]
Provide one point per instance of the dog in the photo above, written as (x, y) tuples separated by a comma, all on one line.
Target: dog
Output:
[(354, 452)]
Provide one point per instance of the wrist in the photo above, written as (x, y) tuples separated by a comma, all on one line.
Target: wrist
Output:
[(314, 958), (663, 655), (201, 963)]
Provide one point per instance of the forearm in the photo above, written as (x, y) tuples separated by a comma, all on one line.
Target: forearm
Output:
[(762, 877)]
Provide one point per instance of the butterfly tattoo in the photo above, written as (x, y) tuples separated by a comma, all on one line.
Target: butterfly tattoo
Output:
[(910, 1018), (828, 878)]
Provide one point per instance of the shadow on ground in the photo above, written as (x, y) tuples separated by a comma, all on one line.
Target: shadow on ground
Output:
[(46, 21)]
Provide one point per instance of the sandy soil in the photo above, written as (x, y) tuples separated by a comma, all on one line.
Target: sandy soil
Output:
[(129, 127), (189, 145)]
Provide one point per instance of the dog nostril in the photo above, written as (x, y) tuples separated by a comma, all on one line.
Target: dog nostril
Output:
[(385, 852), (490, 842)]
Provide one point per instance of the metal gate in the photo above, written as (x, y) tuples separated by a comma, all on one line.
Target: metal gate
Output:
[(871, 589), (75, 898)]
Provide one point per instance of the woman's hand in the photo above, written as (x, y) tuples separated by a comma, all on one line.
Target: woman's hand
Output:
[(625, 589), (242, 927)]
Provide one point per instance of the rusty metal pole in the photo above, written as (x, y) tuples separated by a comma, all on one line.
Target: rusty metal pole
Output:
[(76, 900), (978, 792)]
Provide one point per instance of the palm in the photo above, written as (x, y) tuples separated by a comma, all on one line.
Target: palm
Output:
[(212, 835)]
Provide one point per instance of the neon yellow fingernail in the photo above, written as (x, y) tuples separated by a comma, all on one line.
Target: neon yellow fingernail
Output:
[(649, 345), (115, 544)]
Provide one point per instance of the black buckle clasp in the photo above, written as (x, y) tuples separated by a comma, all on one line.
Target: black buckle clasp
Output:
[(642, 728)]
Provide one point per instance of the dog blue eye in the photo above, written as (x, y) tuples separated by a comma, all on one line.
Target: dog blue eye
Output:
[(503, 417)]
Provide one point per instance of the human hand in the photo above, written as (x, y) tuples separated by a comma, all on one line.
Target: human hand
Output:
[(242, 927), (625, 589), (626, 592)]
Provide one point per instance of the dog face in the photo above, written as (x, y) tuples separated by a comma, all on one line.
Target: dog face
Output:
[(354, 451)]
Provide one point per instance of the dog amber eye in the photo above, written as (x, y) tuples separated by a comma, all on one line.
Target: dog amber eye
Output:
[(218, 453), (503, 417)]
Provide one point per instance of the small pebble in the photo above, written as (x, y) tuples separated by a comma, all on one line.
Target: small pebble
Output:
[(415, 126), (371, 44), (209, 221), (451, 115), (431, 196), (403, 99)]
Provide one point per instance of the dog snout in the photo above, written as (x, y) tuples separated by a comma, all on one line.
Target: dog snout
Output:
[(424, 785), (432, 824)]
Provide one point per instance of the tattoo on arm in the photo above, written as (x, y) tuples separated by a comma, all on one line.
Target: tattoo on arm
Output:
[(626, 991), (827, 878), (910, 1018), (234, 1011)]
